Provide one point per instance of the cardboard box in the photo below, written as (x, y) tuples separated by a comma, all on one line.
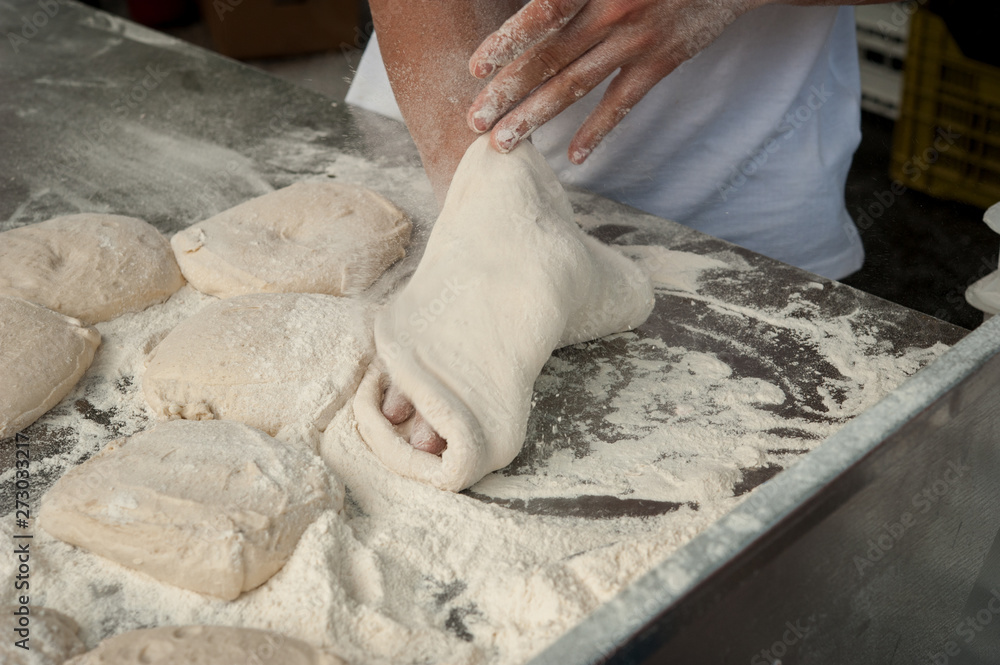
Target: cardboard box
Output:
[(261, 28)]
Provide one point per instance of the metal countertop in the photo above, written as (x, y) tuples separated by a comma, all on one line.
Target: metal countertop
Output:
[(98, 114)]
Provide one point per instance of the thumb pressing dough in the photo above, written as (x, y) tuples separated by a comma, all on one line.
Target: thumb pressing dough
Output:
[(42, 356), (269, 360), (204, 645), (215, 507), (507, 277), (312, 237), (92, 267)]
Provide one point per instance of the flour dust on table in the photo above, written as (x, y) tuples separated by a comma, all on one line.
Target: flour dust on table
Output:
[(635, 443)]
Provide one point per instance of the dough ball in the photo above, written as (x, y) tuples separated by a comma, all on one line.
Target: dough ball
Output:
[(91, 267), (267, 360), (215, 507), (51, 637), (204, 645), (312, 237), (42, 356)]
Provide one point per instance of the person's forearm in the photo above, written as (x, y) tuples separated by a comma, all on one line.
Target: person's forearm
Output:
[(426, 46)]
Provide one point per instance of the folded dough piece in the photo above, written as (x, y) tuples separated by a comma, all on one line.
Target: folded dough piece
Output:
[(216, 507), (507, 277), (204, 645), (90, 266), (42, 356), (311, 237)]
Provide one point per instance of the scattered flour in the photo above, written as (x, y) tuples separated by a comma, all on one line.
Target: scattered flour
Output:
[(411, 574)]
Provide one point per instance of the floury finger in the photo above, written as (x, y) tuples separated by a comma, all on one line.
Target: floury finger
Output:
[(536, 21)]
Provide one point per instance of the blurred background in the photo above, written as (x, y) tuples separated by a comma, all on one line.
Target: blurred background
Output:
[(930, 72)]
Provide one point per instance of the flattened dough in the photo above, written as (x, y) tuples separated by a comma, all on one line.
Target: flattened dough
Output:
[(204, 645), (215, 507), (92, 267), (507, 277), (267, 360), (51, 637), (311, 237), (42, 356)]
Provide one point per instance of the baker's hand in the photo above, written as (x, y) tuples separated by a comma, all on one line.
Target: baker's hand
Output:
[(553, 52)]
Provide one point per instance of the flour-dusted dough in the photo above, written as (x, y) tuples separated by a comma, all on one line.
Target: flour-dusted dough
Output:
[(215, 507), (42, 356), (204, 645), (267, 360), (507, 277), (312, 237), (49, 635), (92, 267)]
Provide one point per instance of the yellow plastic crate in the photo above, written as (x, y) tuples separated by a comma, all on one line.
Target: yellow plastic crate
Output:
[(947, 139)]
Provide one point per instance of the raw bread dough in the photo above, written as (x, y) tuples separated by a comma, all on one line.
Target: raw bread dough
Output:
[(269, 360), (204, 645), (215, 507), (42, 356), (312, 237), (51, 637), (92, 267), (507, 277)]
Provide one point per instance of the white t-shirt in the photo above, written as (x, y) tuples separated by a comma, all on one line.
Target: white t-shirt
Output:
[(749, 141)]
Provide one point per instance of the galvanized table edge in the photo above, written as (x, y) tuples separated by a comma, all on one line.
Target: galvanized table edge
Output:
[(628, 615)]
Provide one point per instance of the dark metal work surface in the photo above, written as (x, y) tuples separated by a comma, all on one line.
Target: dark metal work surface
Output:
[(883, 547), (97, 114)]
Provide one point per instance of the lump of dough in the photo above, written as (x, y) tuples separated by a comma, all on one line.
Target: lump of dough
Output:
[(215, 507), (51, 636), (204, 645), (312, 237), (267, 360), (92, 267), (42, 356), (506, 278)]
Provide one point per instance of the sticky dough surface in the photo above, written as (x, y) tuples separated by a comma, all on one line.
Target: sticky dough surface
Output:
[(311, 237), (92, 267)]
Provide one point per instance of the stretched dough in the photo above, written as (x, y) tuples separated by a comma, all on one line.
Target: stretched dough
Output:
[(311, 237), (42, 356), (51, 636), (507, 277), (204, 645), (266, 359), (215, 507), (92, 267)]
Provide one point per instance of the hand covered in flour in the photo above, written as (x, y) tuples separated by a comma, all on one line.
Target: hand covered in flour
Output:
[(553, 52), (397, 409)]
